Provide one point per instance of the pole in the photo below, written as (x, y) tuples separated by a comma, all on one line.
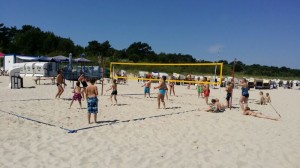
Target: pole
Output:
[(70, 70), (232, 81), (103, 69)]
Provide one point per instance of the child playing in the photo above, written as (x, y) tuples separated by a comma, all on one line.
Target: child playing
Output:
[(220, 105), (92, 100), (215, 107), (262, 100), (114, 92), (199, 87), (229, 89), (147, 88), (206, 90), (77, 94), (268, 98)]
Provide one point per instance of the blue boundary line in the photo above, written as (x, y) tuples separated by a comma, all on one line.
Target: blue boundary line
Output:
[(85, 128), (40, 122)]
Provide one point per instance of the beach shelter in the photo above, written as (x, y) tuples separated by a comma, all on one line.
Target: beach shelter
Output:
[(61, 58), (45, 59), (28, 58), (81, 60)]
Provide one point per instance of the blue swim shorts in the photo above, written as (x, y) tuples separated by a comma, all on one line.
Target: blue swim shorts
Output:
[(147, 90), (92, 105)]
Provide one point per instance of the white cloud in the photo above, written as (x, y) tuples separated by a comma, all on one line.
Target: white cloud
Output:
[(215, 48)]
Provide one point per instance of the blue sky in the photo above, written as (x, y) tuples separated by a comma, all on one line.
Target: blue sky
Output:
[(265, 32)]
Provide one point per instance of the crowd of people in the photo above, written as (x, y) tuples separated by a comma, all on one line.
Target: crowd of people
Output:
[(89, 92)]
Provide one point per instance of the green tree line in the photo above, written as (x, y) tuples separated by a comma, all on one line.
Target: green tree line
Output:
[(30, 40)]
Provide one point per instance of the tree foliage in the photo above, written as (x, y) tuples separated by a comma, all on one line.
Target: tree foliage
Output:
[(30, 40)]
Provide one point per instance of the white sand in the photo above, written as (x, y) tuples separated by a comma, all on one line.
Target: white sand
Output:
[(136, 134)]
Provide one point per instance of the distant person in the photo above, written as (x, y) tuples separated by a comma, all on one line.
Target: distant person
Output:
[(229, 90), (83, 82), (247, 111), (162, 91), (268, 98), (215, 85), (215, 107), (114, 92), (262, 100), (189, 78), (206, 90), (124, 77), (199, 88), (92, 100), (147, 88), (245, 95), (77, 94), (171, 86), (59, 83)]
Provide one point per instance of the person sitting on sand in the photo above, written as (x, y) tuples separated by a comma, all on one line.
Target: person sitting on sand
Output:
[(77, 94), (147, 85), (262, 100), (114, 92), (215, 107), (220, 105), (247, 111), (92, 100), (268, 98), (162, 91)]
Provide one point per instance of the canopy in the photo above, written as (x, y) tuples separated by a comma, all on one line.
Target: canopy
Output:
[(81, 60), (45, 59), (61, 58), (2, 54), (28, 58)]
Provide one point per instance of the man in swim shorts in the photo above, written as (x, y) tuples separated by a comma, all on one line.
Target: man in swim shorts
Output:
[(59, 82), (92, 100)]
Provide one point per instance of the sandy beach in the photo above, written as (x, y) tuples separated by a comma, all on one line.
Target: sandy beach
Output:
[(34, 130)]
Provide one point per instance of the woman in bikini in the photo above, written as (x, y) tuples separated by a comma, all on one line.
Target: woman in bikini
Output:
[(247, 111), (83, 82), (171, 85), (162, 91), (245, 95)]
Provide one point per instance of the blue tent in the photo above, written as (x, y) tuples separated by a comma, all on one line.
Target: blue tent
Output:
[(61, 58)]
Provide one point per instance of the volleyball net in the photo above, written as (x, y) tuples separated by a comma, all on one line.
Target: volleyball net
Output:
[(175, 72)]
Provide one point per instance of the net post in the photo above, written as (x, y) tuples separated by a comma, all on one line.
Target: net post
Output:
[(232, 81)]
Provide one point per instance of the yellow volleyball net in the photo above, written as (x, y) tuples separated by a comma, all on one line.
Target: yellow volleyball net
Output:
[(175, 72)]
